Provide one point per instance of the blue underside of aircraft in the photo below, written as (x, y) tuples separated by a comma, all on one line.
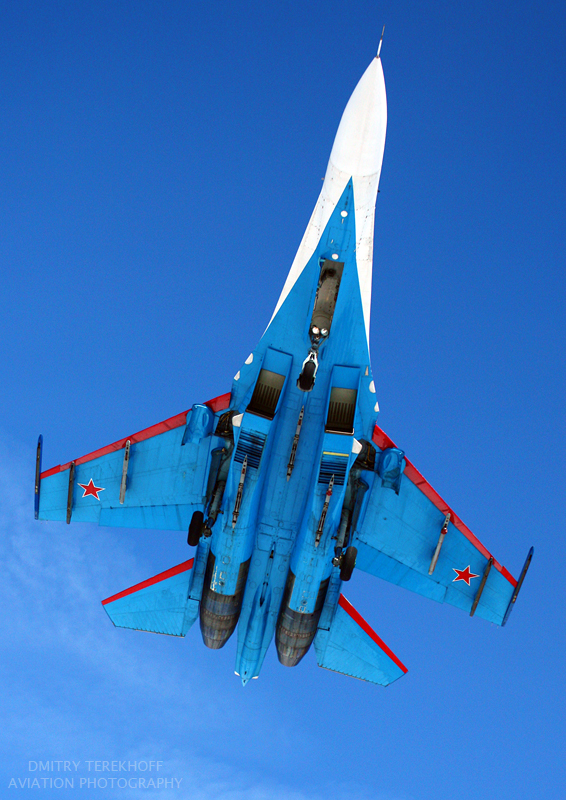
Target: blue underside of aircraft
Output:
[(283, 486)]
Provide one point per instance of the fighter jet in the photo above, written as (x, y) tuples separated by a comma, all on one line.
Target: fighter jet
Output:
[(286, 483)]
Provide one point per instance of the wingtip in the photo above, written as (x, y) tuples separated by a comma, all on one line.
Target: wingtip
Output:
[(519, 584), (37, 476)]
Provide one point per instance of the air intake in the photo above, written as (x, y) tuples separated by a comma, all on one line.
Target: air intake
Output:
[(341, 411), (266, 394)]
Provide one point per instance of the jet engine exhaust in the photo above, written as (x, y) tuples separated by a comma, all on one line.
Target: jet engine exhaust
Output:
[(295, 630), (219, 613)]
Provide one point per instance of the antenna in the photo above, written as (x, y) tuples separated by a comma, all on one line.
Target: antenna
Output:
[(380, 42)]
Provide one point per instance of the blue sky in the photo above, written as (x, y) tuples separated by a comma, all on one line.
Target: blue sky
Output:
[(159, 163)]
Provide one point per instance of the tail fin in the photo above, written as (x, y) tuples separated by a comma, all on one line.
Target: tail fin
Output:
[(353, 648), (159, 604)]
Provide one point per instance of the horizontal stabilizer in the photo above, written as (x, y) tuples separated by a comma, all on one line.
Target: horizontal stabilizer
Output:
[(158, 605), (353, 648)]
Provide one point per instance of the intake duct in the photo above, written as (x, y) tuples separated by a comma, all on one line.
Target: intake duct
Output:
[(219, 613), (266, 394), (295, 630)]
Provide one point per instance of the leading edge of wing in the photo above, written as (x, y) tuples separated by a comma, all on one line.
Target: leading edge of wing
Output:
[(216, 404), (383, 441), (162, 576)]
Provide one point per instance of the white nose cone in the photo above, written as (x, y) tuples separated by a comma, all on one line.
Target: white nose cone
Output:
[(360, 140), (357, 154)]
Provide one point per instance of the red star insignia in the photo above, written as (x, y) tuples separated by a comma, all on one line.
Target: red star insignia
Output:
[(91, 489), (464, 575)]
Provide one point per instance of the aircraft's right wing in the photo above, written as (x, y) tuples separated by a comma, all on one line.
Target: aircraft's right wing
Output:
[(407, 538), (153, 479)]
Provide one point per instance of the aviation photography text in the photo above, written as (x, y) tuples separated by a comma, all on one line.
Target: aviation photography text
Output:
[(94, 774)]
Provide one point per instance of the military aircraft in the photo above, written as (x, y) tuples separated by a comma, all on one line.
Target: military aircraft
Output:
[(286, 483)]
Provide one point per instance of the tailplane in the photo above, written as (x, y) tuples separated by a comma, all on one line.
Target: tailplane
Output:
[(160, 604), (351, 647)]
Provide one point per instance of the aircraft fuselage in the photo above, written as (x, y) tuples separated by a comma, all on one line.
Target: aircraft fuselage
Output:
[(269, 562)]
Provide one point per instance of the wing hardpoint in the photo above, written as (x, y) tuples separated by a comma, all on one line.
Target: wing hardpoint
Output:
[(152, 479), (402, 532)]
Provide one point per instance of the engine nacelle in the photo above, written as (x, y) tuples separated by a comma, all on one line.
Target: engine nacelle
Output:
[(219, 613), (296, 630)]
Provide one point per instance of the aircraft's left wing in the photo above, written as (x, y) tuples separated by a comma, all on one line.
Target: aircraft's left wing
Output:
[(407, 538), (153, 479)]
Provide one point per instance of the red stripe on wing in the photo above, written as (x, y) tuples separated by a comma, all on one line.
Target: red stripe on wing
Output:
[(357, 617), (169, 573), (382, 440), (216, 404), (220, 403)]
